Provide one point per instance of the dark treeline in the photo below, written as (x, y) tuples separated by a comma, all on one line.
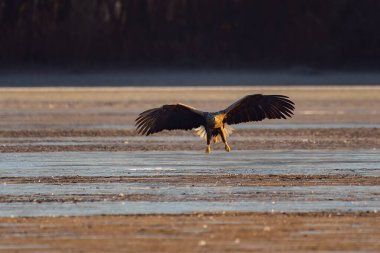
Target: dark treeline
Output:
[(190, 32)]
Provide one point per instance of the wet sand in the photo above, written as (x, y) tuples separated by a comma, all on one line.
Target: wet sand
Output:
[(329, 120)]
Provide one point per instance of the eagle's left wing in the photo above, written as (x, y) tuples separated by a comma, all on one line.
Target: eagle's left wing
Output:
[(258, 107)]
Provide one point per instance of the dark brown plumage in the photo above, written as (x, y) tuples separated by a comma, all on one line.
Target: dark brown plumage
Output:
[(258, 107), (214, 124), (168, 117)]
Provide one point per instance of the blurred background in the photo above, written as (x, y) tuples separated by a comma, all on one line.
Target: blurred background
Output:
[(189, 42)]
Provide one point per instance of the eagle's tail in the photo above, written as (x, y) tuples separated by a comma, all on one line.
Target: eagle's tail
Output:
[(217, 138), (229, 129), (201, 132)]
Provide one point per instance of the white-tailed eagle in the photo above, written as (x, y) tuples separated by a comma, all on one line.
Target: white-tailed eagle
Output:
[(214, 125)]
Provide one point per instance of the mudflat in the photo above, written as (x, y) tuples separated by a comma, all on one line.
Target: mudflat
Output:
[(330, 125)]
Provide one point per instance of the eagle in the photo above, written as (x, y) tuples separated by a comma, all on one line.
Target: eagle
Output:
[(214, 125)]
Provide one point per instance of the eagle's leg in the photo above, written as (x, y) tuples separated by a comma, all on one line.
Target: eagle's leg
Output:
[(209, 136), (224, 139)]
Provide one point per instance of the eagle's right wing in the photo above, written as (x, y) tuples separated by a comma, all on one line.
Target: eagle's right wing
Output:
[(169, 117)]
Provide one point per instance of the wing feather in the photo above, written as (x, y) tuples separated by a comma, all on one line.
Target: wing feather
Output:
[(258, 107), (169, 117)]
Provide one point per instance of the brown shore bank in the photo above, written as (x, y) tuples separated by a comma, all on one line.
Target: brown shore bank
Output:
[(230, 232)]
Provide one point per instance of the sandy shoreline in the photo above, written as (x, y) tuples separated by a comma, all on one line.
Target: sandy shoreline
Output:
[(50, 108), (230, 232)]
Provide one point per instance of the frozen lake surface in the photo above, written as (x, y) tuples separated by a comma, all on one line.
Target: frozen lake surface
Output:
[(144, 207), (51, 199), (308, 162)]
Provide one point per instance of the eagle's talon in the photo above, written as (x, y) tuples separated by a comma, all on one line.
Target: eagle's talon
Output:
[(227, 147), (208, 150)]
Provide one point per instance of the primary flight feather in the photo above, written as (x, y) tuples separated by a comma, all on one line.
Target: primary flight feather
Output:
[(210, 125)]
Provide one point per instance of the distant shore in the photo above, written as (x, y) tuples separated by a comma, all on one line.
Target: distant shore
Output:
[(184, 77)]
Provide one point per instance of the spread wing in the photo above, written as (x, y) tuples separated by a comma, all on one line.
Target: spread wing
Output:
[(258, 107), (169, 117)]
